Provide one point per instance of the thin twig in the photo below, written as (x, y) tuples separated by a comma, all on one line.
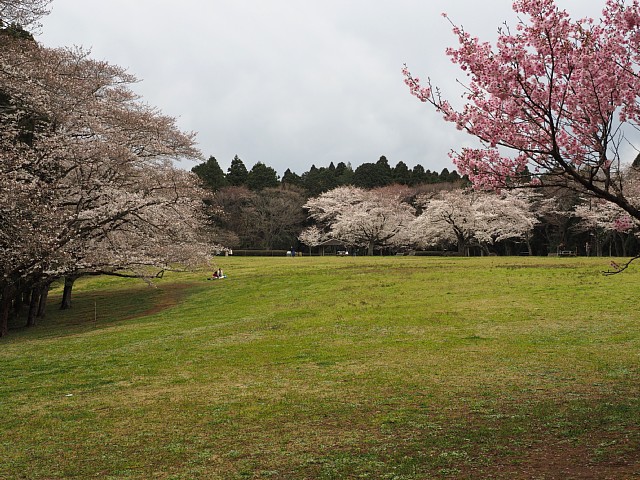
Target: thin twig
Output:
[(617, 268)]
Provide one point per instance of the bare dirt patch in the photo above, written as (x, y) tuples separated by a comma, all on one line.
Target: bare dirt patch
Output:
[(171, 296), (555, 459)]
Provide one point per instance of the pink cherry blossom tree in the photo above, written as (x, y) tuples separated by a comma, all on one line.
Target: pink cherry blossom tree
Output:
[(552, 102)]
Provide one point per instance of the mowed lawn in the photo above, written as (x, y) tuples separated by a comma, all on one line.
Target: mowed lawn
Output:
[(332, 368)]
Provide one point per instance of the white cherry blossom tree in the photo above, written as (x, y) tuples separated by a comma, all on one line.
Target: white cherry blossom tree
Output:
[(86, 177), (368, 218), (25, 13), (600, 219), (311, 236), (467, 218)]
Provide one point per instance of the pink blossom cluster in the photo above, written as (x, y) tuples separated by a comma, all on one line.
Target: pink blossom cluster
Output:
[(487, 169), (623, 223), (553, 91), (422, 93)]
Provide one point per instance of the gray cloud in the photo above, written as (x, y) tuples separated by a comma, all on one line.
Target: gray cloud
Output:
[(288, 83)]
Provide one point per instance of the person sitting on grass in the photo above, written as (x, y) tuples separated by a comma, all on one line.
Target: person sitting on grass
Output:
[(218, 274)]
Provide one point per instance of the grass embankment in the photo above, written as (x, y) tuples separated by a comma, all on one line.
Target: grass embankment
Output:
[(330, 368)]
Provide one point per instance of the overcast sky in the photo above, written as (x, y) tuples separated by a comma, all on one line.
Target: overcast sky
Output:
[(290, 83)]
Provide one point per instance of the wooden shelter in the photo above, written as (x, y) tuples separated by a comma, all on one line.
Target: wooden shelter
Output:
[(331, 243)]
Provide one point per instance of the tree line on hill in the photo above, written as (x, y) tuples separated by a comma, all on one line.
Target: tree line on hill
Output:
[(254, 209), (318, 180), (379, 209)]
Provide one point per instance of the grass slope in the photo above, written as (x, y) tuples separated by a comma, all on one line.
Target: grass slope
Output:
[(331, 368)]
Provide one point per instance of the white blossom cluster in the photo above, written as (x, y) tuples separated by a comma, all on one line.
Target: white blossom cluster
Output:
[(387, 217)]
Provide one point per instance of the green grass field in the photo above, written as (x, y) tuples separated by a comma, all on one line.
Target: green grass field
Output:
[(332, 368)]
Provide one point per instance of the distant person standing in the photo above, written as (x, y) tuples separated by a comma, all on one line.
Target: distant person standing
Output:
[(293, 252)]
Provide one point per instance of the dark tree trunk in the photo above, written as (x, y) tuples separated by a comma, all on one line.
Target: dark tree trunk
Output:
[(24, 296), (598, 246), (19, 301), (42, 305), (66, 293), (462, 246), (5, 305), (33, 306), (4, 318), (623, 245)]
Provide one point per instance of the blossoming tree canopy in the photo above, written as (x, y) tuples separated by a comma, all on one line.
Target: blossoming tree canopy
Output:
[(23, 12), (551, 102), (474, 218), (368, 218), (87, 179)]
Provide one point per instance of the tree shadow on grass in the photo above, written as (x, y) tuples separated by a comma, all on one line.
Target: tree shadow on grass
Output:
[(100, 309)]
